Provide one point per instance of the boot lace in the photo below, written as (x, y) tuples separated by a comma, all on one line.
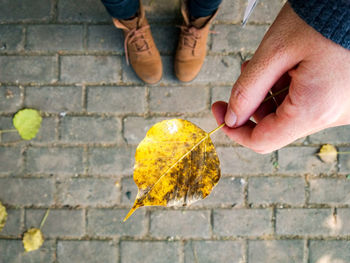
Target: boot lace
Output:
[(136, 36), (190, 36)]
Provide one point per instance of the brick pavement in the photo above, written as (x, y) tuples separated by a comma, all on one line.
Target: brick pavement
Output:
[(65, 58)]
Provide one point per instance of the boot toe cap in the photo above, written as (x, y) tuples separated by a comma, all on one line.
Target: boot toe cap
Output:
[(186, 71), (149, 73)]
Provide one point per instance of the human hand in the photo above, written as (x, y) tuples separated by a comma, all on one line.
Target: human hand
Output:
[(318, 74)]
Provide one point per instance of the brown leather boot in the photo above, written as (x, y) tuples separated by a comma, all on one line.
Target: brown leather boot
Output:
[(140, 49), (192, 46)]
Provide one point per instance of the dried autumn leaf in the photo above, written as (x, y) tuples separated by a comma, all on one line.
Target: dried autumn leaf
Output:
[(3, 216), (33, 239), (328, 153), (175, 165), (27, 122)]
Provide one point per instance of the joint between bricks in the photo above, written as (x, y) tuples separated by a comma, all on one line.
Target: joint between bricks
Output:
[(54, 11), (306, 251)]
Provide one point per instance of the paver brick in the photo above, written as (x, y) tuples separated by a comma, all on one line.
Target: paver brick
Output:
[(180, 223), (228, 191), (13, 226), (272, 190), (10, 160), (11, 251), (275, 251), (87, 192), (93, 69), (135, 128), (243, 161), (158, 10), (344, 160), (149, 251), (11, 37), (298, 160), (300, 221), (54, 37), (82, 11), (10, 99), (234, 38), (219, 69), (54, 99), (39, 69), (128, 191), (111, 161), (89, 129), (222, 93), (214, 251), (231, 11), (178, 99), (47, 131), (86, 251), (337, 251), (165, 37), (343, 217), (6, 123), (330, 191), (24, 10), (242, 222), (266, 11), (109, 222), (105, 38), (26, 191), (335, 135), (59, 223), (116, 99), (59, 160)]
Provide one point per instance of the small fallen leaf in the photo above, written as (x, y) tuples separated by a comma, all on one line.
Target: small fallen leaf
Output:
[(33, 239), (27, 122), (3, 216), (175, 165), (328, 153)]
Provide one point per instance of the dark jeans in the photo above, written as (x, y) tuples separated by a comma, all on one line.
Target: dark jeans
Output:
[(123, 9)]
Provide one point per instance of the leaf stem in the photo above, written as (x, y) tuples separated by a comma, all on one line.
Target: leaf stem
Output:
[(216, 129), (11, 130), (44, 218), (343, 152), (275, 94)]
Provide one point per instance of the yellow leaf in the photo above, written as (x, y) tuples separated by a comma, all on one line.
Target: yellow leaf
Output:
[(175, 165), (328, 153), (27, 122), (33, 239), (3, 216)]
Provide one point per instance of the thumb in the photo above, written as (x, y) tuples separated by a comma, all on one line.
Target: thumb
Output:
[(258, 77)]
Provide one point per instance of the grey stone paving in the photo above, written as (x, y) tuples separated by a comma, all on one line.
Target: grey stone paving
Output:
[(64, 58)]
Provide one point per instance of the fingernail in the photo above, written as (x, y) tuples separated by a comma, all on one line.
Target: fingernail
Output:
[(230, 118)]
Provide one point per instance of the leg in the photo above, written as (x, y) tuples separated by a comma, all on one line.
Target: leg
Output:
[(202, 8), (192, 46), (140, 50), (122, 9)]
